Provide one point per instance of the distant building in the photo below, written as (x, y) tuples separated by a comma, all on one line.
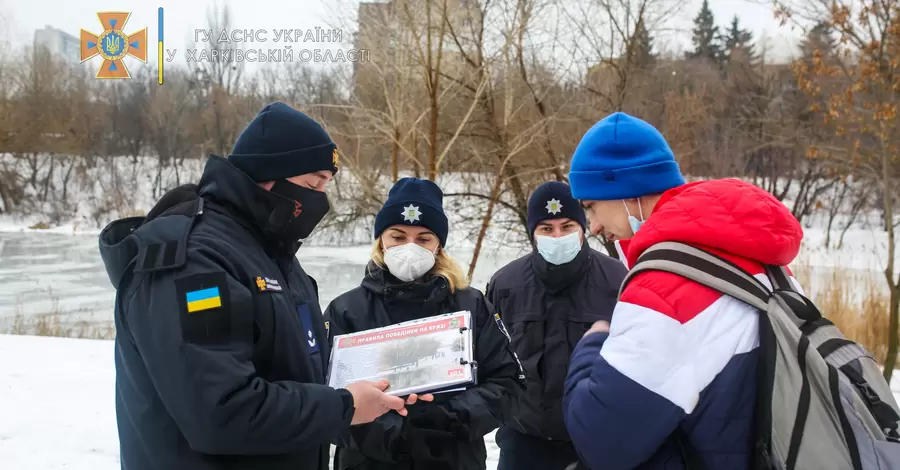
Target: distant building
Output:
[(58, 42), (389, 30)]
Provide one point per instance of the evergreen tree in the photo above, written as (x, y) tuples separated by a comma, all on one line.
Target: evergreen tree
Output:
[(820, 39), (739, 42), (706, 36), (640, 48)]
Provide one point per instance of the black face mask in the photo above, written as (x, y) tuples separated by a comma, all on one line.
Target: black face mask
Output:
[(310, 206)]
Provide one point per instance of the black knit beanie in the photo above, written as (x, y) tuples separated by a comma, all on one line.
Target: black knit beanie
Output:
[(553, 200), (282, 142), (416, 202)]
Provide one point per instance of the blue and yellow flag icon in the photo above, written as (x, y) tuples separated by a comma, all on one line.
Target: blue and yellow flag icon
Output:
[(204, 299), (113, 45)]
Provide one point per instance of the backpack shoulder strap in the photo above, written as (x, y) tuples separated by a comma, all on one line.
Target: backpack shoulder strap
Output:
[(780, 278), (704, 268)]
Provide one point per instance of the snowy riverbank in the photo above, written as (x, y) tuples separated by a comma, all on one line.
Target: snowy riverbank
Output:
[(57, 402)]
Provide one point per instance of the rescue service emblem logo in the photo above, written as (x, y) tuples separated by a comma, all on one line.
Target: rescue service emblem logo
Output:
[(265, 284), (113, 45)]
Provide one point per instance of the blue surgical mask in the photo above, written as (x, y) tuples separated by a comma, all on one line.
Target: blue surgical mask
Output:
[(559, 250), (635, 223), (632, 220)]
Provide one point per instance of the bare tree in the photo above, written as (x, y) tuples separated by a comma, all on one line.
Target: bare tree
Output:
[(219, 73), (863, 116), (170, 126)]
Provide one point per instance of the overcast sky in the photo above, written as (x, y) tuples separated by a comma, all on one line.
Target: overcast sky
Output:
[(20, 18)]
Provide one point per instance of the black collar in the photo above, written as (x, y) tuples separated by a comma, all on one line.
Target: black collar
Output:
[(430, 290), (261, 211)]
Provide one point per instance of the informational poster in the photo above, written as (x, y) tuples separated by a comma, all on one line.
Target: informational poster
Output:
[(430, 355)]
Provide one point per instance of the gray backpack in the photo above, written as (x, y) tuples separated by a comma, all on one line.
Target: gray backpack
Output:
[(822, 402)]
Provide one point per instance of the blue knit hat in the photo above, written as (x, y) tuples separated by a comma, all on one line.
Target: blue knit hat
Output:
[(622, 157), (281, 142), (415, 202), (553, 200)]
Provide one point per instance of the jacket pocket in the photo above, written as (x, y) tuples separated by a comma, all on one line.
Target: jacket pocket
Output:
[(579, 323), (526, 333)]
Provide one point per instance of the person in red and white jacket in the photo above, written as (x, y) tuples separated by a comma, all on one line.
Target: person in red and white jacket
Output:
[(677, 357)]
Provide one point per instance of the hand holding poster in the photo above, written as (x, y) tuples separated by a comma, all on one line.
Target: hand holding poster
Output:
[(430, 355)]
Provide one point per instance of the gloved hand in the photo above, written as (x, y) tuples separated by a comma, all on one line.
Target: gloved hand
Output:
[(439, 418), (432, 450)]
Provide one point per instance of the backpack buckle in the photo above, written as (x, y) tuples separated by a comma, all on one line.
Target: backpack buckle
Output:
[(883, 413), (868, 394)]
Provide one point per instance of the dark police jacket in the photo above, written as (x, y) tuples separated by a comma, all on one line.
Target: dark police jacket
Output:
[(448, 433), (221, 348), (547, 310)]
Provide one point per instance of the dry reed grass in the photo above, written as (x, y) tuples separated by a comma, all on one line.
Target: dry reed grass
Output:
[(51, 324), (856, 301)]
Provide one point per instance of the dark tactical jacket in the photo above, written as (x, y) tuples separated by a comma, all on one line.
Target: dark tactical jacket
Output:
[(447, 434), (548, 309), (221, 348)]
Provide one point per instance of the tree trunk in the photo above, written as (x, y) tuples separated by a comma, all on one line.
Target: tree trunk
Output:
[(418, 163), (854, 212), (432, 138), (395, 154), (486, 221), (891, 360), (887, 196)]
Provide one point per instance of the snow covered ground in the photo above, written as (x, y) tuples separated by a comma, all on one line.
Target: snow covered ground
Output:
[(57, 405), (57, 393)]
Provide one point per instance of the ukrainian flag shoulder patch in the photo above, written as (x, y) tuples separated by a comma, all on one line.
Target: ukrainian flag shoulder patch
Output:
[(203, 299), (204, 308)]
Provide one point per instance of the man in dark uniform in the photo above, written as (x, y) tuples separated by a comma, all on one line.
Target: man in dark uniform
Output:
[(221, 349), (548, 299)]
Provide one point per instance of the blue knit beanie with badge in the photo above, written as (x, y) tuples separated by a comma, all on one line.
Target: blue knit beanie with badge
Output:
[(414, 202), (553, 200), (282, 142), (622, 157)]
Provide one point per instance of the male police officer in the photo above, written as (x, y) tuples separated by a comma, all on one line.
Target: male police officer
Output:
[(221, 349), (548, 300)]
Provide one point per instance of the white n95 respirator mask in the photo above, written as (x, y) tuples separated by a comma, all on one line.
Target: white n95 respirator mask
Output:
[(408, 262)]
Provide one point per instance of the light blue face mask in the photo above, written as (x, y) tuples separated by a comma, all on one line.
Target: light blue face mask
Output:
[(559, 250), (632, 220)]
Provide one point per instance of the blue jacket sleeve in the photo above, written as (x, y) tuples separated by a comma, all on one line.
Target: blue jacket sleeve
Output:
[(614, 422), (198, 358)]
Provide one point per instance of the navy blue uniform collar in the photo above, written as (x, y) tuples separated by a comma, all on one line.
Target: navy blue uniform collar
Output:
[(245, 200)]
